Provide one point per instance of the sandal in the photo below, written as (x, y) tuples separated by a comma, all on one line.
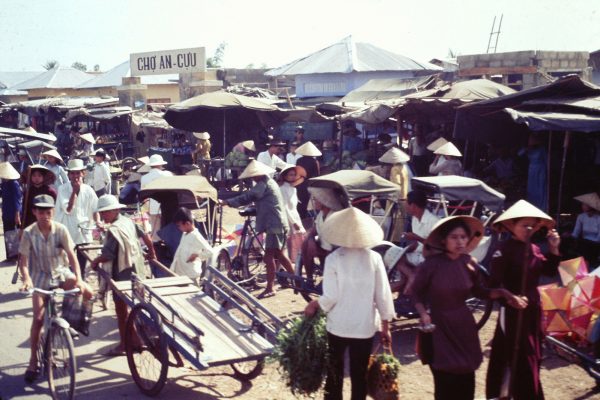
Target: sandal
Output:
[(266, 294), (114, 352), (31, 376)]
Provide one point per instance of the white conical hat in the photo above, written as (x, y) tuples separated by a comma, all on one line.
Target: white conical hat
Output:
[(88, 137), (53, 153), (308, 149), (436, 144), (434, 243), (144, 160), (590, 199), (7, 171), (394, 156), (393, 255), (327, 197), (202, 135), (448, 149), (523, 209), (256, 168), (300, 173), (249, 144), (351, 228)]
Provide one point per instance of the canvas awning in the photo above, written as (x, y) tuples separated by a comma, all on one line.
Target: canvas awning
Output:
[(555, 121), (98, 114)]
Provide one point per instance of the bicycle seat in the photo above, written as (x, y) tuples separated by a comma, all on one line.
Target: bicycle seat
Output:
[(248, 212)]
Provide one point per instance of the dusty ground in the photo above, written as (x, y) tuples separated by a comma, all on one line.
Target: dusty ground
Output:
[(101, 378)]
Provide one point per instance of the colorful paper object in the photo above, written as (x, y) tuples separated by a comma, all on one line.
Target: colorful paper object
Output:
[(573, 269), (554, 297)]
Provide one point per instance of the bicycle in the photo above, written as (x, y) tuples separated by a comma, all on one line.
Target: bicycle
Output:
[(244, 267), (56, 353)]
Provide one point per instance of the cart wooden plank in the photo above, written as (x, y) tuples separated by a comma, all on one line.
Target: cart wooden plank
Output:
[(224, 338)]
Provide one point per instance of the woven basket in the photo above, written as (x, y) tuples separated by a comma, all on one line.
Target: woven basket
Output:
[(382, 382)]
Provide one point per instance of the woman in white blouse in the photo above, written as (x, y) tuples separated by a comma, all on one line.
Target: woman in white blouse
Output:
[(446, 161), (356, 297), (290, 177)]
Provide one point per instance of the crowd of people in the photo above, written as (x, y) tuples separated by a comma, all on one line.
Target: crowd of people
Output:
[(57, 206)]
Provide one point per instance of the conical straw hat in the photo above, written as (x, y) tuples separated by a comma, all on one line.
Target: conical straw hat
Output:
[(523, 209), (202, 135), (144, 160), (88, 137), (590, 199), (351, 228), (309, 149), (144, 169), (256, 168), (7, 171), (394, 156), (300, 173), (249, 144), (53, 153), (448, 149), (49, 176), (436, 144), (434, 243), (326, 196)]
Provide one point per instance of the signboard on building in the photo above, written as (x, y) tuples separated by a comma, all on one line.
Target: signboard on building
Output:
[(168, 62)]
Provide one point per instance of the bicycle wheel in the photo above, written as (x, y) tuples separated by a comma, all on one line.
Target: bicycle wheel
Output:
[(61, 363), (481, 308), (146, 348)]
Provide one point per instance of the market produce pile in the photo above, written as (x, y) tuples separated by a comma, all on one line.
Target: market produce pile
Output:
[(301, 351)]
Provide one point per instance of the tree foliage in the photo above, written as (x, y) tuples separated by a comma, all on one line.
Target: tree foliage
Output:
[(79, 65), (50, 64), (97, 68), (216, 60)]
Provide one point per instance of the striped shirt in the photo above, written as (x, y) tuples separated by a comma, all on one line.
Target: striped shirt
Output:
[(46, 258)]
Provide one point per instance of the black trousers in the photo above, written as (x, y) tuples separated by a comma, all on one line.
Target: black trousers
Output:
[(449, 386), (359, 352), (81, 258)]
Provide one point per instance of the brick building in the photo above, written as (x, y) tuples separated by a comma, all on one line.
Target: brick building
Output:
[(525, 69)]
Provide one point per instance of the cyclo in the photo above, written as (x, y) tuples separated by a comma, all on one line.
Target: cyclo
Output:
[(209, 323), (447, 195)]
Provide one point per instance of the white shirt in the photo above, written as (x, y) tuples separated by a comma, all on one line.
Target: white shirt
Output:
[(423, 229), (154, 173), (191, 243), (588, 227), (59, 173), (272, 161), (290, 204), (356, 292), (82, 212), (319, 220), (99, 177), (446, 166), (292, 158)]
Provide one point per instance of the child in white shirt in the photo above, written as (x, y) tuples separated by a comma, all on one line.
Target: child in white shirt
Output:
[(193, 247)]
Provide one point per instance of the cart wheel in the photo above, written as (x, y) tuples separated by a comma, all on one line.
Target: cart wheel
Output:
[(146, 347), (245, 371)]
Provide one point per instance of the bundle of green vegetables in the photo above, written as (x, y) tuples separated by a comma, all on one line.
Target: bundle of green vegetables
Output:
[(301, 351), (382, 376)]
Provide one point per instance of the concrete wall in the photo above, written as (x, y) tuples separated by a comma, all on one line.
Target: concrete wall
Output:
[(169, 92), (536, 67), (338, 84)]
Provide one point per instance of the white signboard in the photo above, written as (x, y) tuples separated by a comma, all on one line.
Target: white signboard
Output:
[(168, 62)]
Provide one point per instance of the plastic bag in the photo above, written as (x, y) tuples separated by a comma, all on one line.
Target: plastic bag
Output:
[(78, 313)]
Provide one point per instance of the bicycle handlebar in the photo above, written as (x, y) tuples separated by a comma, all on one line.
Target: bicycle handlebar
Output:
[(59, 292)]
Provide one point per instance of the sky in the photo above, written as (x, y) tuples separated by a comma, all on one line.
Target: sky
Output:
[(273, 33)]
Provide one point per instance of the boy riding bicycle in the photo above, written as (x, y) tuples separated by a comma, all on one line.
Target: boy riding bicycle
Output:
[(45, 247)]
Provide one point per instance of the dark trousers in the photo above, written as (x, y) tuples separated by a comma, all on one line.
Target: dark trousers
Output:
[(449, 386), (359, 352), (82, 262)]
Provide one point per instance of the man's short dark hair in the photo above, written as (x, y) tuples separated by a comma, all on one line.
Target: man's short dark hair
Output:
[(418, 198), (183, 215)]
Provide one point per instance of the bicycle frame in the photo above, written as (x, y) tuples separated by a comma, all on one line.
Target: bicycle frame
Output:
[(248, 235)]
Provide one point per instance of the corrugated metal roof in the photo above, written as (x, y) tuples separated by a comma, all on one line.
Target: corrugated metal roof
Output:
[(113, 78), (55, 78), (347, 56), (11, 78)]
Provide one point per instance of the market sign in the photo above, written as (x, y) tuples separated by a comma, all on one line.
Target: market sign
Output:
[(168, 62)]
